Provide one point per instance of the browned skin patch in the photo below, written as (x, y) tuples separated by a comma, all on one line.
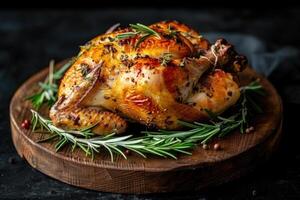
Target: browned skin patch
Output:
[(173, 76)]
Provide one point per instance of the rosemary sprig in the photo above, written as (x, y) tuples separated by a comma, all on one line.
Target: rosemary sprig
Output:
[(248, 107), (161, 143), (113, 144), (144, 29), (139, 29), (48, 89)]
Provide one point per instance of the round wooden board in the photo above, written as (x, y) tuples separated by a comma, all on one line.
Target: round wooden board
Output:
[(239, 154)]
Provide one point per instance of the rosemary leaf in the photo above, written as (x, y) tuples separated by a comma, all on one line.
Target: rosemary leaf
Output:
[(126, 35), (142, 39), (139, 29), (144, 29)]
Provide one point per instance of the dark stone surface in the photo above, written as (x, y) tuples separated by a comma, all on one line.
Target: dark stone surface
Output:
[(29, 39)]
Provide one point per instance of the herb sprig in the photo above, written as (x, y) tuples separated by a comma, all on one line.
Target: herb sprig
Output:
[(48, 89), (113, 144), (139, 29), (161, 143)]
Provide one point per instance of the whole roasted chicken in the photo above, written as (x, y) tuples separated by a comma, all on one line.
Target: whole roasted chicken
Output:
[(154, 75)]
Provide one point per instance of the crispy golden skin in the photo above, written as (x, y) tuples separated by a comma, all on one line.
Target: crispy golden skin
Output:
[(113, 78)]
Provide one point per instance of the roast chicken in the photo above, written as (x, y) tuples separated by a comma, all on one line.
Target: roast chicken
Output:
[(157, 80)]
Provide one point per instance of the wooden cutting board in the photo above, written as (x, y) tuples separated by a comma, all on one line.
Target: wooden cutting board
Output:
[(239, 153)]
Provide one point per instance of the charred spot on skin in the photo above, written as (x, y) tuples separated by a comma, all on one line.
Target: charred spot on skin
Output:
[(61, 99), (142, 75), (127, 41), (195, 89), (179, 99), (168, 120), (102, 39), (74, 118), (102, 79), (179, 41), (127, 63), (113, 67), (170, 35), (76, 87), (139, 55), (85, 69), (77, 120), (109, 48), (209, 94), (178, 94), (229, 93)]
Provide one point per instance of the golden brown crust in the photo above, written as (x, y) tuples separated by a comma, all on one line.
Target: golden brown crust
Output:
[(154, 83)]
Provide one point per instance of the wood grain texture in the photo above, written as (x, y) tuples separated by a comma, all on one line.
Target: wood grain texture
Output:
[(240, 153)]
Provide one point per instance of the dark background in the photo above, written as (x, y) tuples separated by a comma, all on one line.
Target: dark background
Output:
[(29, 38)]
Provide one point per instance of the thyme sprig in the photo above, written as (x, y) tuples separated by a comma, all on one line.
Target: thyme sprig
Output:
[(161, 143), (138, 29), (48, 89)]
